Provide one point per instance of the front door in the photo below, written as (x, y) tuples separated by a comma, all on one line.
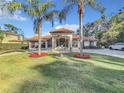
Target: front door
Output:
[(62, 42)]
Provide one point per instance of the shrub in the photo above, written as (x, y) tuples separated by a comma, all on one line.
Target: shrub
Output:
[(10, 46)]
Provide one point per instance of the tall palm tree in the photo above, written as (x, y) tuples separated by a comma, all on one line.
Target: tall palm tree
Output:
[(81, 7), (38, 10)]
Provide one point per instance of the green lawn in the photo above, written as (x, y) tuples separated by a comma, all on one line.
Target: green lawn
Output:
[(100, 74)]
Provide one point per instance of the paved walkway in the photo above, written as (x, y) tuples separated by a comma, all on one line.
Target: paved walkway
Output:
[(114, 53)]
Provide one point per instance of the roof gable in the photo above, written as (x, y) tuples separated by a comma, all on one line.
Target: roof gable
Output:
[(62, 30)]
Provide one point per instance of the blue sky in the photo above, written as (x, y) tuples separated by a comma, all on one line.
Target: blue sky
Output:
[(26, 24)]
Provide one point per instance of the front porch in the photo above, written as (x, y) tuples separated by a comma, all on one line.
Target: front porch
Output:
[(61, 38)]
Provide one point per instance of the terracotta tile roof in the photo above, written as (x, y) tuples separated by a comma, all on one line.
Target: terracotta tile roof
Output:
[(35, 38), (61, 30), (76, 36), (48, 37), (11, 33), (15, 41), (89, 38)]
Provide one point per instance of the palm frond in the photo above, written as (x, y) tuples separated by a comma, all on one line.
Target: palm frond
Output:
[(39, 9), (43, 7), (13, 6), (95, 5), (71, 1), (35, 25), (65, 11), (50, 16), (30, 11)]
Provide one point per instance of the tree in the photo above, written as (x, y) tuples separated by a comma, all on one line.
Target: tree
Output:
[(109, 38), (89, 29), (121, 13), (81, 7), (1, 35), (115, 31), (38, 10), (11, 28), (120, 37)]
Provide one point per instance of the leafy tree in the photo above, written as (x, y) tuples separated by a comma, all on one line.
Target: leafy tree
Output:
[(109, 37), (38, 10), (81, 4), (120, 36), (121, 12), (88, 28), (11, 28), (1, 35), (115, 31)]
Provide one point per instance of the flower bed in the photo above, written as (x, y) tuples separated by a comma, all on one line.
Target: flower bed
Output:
[(36, 55), (84, 56)]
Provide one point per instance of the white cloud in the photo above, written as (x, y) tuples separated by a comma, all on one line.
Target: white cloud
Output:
[(46, 33), (73, 27), (5, 14), (12, 17), (17, 16), (8, 0), (56, 23)]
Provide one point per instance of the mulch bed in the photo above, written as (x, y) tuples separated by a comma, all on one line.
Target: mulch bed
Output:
[(84, 56), (36, 55)]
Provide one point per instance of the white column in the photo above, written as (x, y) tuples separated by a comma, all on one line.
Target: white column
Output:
[(53, 42), (78, 43), (29, 44), (95, 43), (70, 43), (86, 43), (46, 44)]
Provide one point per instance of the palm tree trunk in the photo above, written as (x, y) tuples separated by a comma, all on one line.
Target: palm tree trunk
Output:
[(81, 12), (39, 35)]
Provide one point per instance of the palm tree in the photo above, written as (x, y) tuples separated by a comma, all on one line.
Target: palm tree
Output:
[(81, 7), (38, 11)]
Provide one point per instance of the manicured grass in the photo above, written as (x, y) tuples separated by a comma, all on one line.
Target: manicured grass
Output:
[(100, 74)]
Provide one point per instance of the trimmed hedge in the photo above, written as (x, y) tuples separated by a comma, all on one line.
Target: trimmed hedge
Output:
[(10, 46)]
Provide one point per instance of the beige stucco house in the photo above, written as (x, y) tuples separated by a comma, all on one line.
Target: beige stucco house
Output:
[(62, 37), (10, 37)]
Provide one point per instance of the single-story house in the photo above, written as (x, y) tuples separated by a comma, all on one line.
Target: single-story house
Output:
[(61, 37), (10, 37)]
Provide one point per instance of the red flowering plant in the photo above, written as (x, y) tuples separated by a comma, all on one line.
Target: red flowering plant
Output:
[(84, 56), (35, 55)]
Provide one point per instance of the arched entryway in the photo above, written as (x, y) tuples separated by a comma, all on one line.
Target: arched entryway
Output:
[(62, 37), (62, 42)]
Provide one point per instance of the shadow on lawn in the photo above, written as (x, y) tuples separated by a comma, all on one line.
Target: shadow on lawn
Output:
[(102, 59), (68, 77), (109, 58), (110, 62)]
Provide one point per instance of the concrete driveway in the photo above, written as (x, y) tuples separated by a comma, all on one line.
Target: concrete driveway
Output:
[(114, 53)]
